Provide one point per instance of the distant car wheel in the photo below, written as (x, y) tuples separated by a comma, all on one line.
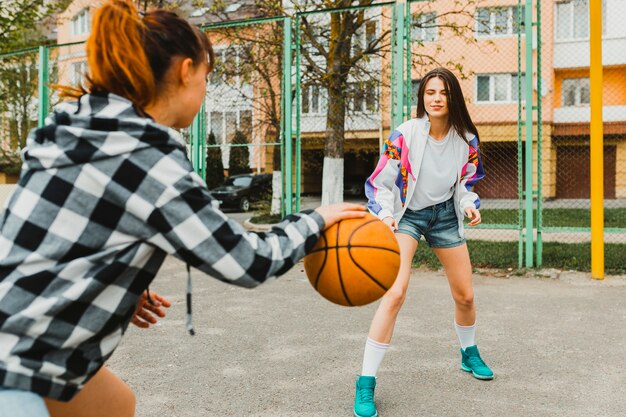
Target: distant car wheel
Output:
[(244, 204)]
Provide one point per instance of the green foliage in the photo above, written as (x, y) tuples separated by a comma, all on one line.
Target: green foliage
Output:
[(239, 161), (564, 256), (214, 166), (10, 161)]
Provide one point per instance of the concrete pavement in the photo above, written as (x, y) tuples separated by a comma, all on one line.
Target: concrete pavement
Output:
[(556, 346)]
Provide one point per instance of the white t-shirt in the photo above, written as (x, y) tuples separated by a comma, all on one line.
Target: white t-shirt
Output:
[(437, 175)]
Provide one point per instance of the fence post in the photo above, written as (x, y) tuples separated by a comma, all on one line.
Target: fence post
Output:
[(539, 251), (43, 85), (287, 139), (298, 111), (398, 64), (596, 140), (528, 23)]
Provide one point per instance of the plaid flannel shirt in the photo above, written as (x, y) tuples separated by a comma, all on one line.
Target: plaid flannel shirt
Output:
[(103, 197)]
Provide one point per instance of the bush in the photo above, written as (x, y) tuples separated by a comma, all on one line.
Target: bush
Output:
[(10, 161), (239, 161), (214, 166)]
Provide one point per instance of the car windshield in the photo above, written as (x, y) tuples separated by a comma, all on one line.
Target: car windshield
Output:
[(238, 181)]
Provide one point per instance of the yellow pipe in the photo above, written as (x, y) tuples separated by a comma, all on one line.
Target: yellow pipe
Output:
[(596, 142)]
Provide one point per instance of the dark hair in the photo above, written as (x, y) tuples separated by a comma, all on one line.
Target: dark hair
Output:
[(129, 55), (459, 117)]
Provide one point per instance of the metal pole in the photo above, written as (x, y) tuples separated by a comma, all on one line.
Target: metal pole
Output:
[(43, 85), (398, 57), (596, 140), (287, 139), (298, 110), (539, 144), (407, 57), (528, 18), (520, 179)]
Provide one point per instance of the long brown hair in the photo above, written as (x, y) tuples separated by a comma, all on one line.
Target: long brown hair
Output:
[(129, 55), (459, 117)]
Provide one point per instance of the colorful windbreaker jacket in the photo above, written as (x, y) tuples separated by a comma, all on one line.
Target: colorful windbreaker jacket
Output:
[(393, 181), (104, 195)]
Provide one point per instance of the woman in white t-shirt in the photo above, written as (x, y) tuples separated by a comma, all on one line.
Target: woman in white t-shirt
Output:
[(421, 187)]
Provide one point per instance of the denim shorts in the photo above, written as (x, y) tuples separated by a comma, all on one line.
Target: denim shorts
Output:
[(17, 403), (438, 224)]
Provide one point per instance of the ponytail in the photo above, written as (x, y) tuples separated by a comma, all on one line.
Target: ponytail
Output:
[(129, 55), (115, 53)]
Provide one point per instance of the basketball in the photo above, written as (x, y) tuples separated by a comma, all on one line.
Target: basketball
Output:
[(354, 262)]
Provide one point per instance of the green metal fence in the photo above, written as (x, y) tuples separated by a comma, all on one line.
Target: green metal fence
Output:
[(273, 96)]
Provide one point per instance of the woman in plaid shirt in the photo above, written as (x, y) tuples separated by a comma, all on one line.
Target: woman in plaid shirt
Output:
[(106, 192)]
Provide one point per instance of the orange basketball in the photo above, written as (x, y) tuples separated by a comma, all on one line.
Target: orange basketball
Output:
[(354, 262)]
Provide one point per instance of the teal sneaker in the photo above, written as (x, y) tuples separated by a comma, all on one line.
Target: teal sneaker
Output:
[(364, 400), (472, 362)]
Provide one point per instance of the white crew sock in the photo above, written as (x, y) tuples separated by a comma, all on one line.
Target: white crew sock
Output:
[(466, 335), (373, 356)]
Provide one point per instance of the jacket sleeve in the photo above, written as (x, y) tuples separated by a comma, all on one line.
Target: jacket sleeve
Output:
[(184, 224), (389, 174), (471, 173)]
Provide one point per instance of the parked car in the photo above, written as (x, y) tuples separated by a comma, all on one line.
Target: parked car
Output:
[(241, 191), (354, 185)]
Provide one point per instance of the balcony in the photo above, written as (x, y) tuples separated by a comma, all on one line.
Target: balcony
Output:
[(575, 53), (583, 114)]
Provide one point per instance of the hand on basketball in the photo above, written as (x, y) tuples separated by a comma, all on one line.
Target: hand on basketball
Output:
[(145, 312), (474, 215), (336, 212), (391, 222)]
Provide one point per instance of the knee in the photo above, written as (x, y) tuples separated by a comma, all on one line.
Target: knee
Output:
[(395, 298), (464, 299)]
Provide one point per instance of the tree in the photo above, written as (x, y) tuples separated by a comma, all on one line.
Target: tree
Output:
[(239, 159), (337, 53), (214, 166)]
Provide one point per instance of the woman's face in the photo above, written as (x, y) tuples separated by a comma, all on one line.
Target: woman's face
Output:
[(192, 94), (435, 98)]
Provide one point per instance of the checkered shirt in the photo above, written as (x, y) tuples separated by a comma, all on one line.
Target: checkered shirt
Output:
[(103, 197)]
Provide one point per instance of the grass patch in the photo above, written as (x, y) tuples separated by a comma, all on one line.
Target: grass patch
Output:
[(558, 217), (265, 218), (565, 256)]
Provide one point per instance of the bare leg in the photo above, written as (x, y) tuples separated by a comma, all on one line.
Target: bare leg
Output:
[(105, 395), (384, 320), (456, 262)]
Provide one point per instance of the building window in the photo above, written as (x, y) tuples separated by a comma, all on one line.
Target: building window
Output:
[(498, 88), (364, 36), (415, 86), (424, 27), (497, 21), (575, 92), (81, 23), (224, 124), (363, 97), (313, 100), (572, 19), (79, 70)]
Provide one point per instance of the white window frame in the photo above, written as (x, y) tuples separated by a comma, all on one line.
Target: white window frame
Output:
[(81, 23), (322, 100), (492, 90), (360, 38), (79, 69), (364, 110), (570, 23), (424, 34), (492, 22), (577, 92)]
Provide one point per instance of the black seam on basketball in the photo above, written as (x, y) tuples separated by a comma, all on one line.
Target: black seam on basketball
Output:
[(354, 246), (319, 273), (365, 272), (345, 294), (355, 230)]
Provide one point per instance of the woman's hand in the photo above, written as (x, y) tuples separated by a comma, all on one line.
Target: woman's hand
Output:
[(335, 212), (391, 222), (474, 216), (145, 312)]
